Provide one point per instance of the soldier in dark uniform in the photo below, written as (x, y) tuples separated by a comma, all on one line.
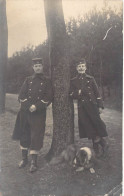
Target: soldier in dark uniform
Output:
[(84, 89), (35, 95)]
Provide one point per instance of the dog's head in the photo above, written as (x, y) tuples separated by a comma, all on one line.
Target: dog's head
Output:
[(82, 157)]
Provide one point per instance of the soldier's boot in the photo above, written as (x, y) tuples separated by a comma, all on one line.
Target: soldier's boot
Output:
[(96, 149), (24, 160), (104, 146), (33, 167)]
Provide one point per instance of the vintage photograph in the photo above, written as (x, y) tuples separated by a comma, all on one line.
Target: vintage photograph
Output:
[(61, 87)]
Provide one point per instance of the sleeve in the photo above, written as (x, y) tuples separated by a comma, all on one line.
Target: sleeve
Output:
[(73, 92), (97, 94), (48, 96), (23, 98)]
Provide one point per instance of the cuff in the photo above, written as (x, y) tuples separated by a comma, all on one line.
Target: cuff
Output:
[(100, 102), (25, 105), (23, 148), (34, 152)]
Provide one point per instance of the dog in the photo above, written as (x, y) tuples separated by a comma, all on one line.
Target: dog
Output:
[(78, 159), (83, 159)]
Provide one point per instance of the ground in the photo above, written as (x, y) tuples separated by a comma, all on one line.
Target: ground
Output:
[(58, 180)]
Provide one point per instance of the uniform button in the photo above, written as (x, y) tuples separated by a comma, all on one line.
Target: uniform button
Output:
[(40, 90), (88, 81), (30, 82), (89, 93), (82, 100), (38, 98), (29, 96), (41, 83), (88, 86), (30, 89), (82, 78), (90, 100)]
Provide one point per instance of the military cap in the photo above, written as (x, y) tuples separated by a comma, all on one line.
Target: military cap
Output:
[(37, 60), (82, 61)]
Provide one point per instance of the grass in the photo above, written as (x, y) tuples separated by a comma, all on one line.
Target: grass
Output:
[(58, 180)]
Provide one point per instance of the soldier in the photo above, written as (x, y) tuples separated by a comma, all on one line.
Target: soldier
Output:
[(84, 89), (35, 95)]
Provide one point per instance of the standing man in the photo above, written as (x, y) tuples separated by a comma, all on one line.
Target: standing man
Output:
[(35, 95), (84, 89)]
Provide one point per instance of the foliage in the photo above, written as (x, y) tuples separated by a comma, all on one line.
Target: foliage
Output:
[(86, 39), (97, 36)]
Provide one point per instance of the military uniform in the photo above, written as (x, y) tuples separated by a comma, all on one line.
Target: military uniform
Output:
[(35, 95), (30, 126), (84, 88)]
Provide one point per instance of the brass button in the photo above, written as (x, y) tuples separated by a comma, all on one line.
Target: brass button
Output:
[(30, 89), (30, 82), (41, 83)]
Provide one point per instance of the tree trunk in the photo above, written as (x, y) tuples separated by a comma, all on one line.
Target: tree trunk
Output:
[(3, 53), (63, 119)]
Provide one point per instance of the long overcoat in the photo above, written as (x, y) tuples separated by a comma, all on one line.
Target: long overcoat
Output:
[(84, 89), (30, 126)]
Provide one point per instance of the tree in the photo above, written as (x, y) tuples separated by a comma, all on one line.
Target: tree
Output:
[(63, 127), (3, 52)]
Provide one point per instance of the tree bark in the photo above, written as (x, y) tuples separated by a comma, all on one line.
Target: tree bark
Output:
[(3, 53), (63, 114)]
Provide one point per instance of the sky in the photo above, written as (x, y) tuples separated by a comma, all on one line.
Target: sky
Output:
[(26, 19)]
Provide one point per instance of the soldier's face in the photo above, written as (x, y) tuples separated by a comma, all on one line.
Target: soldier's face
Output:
[(38, 68), (81, 68)]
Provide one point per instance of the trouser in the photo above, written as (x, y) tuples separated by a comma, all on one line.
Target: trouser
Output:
[(32, 130)]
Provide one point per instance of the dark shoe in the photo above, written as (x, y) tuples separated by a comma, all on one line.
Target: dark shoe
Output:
[(97, 150), (24, 160), (97, 139), (33, 167), (105, 146), (23, 163)]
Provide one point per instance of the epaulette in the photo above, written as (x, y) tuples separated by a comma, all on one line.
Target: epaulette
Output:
[(29, 78), (88, 76), (47, 77), (74, 78)]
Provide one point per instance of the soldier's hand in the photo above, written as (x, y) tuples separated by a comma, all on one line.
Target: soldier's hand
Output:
[(100, 110), (79, 92), (71, 94), (32, 108)]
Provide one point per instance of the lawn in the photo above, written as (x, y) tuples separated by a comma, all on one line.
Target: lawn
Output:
[(60, 180)]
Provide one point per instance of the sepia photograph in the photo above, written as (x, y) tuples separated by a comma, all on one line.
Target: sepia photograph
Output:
[(61, 95)]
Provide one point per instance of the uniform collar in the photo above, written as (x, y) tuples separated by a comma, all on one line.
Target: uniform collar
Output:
[(41, 75), (81, 75)]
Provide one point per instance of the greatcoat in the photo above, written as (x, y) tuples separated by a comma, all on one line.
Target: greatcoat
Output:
[(30, 126), (84, 89)]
